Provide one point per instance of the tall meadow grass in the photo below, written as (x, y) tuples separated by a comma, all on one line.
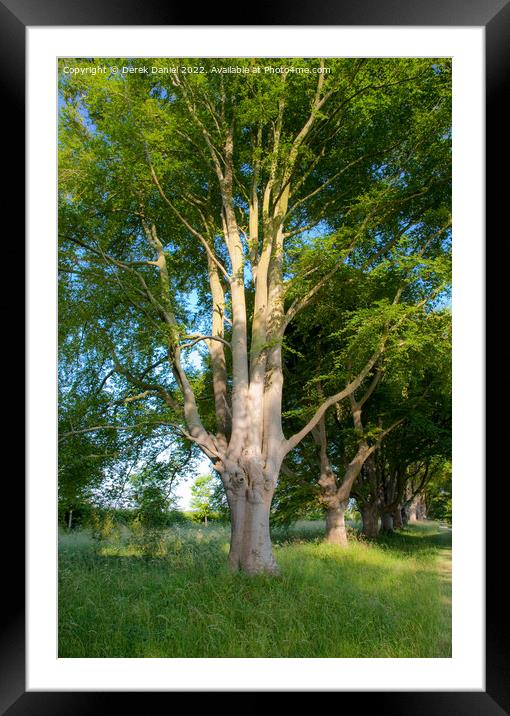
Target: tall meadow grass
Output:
[(390, 597)]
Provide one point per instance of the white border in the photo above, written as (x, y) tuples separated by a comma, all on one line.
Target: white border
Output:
[(465, 670)]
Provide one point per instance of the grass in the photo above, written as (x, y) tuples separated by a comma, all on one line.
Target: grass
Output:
[(390, 597)]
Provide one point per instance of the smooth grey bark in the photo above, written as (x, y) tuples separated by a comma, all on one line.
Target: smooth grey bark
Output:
[(336, 532), (250, 502)]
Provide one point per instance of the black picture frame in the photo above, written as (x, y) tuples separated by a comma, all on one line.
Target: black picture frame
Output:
[(494, 15)]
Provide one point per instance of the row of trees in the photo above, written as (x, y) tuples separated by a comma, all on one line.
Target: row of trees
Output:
[(255, 268)]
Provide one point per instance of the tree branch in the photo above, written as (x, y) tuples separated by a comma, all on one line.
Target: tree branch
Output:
[(196, 233), (199, 337), (291, 443), (96, 428)]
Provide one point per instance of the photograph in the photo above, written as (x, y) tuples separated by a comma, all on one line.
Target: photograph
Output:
[(254, 357)]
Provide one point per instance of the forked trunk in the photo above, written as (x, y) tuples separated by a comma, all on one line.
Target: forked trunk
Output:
[(370, 517), (335, 525), (334, 498)]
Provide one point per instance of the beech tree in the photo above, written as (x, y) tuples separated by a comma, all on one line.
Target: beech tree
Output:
[(200, 209), (375, 445), (397, 474)]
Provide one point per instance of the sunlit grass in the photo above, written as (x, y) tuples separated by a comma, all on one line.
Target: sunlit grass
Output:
[(385, 598)]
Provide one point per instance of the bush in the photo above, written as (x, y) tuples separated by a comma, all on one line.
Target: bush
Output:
[(150, 540), (176, 517), (198, 517), (104, 526)]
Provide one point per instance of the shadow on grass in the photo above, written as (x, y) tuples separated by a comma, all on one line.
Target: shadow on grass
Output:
[(194, 545), (359, 602), (420, 537), (415, 539)]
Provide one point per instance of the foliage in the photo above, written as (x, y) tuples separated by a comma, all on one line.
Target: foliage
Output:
[(202, 494), (148, 537), (412, 389), (104, 526), (438, 495), (219, 504)]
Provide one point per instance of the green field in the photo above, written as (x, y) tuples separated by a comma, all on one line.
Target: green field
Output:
[(389, 597)]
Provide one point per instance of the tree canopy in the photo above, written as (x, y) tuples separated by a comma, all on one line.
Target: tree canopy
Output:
[(225, 235)]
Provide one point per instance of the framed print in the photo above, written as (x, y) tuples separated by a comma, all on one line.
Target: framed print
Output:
[(42, 43)]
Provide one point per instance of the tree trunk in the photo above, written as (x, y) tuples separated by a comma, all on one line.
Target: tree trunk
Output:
[(421, 510), (386, 522), (412, 512), (205, 520), (70, 521), (335, 525), (369, 515), (397, 518), (250, 543), (250, 546)]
